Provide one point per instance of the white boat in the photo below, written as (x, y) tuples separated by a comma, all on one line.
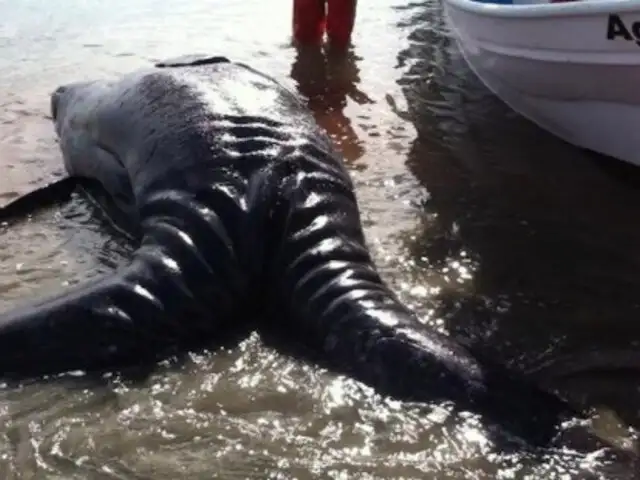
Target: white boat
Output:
[(573, 68)]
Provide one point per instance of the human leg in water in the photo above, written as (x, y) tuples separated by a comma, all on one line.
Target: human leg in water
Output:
[(341, 15), (309, 21)]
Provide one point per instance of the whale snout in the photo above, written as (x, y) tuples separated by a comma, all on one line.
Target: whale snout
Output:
[(56, 100), (66, 94)]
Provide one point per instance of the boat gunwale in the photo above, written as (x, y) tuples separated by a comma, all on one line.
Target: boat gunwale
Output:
[(546, 10)]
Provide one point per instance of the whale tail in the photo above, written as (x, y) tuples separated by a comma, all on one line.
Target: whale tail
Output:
[(337, 304), (170, 298)]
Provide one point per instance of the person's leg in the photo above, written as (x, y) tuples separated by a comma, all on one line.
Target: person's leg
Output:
[(309, 20), (340, 21)]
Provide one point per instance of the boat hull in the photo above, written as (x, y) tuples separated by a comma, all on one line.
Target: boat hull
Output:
[(587, 92)]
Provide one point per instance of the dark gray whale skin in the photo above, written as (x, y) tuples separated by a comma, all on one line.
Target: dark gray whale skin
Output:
[(243, 210)]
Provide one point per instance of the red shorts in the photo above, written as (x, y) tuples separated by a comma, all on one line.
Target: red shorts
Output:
[(312, 18)]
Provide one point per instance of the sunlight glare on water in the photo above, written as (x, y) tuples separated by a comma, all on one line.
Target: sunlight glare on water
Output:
[(444, 175)]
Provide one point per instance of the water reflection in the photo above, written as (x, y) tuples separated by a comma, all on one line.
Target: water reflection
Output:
[(328, 77), (528, 241)]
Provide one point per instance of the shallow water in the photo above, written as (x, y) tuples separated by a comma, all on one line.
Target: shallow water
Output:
[(486, 225)]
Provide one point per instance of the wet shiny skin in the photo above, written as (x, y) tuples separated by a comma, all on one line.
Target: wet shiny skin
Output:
[(239, 195)]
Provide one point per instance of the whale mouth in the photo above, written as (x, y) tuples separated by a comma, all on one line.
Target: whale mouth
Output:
[(191, 61), (55, 102), (56, 99)]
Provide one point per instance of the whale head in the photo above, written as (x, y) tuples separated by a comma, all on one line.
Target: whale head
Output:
[(111, 131), (91, 148)]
